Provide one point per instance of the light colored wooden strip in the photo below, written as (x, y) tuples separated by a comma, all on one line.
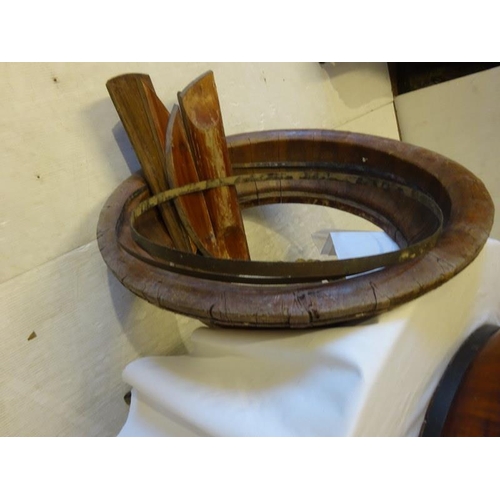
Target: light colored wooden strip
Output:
[(160, 115), (202, 117), (181, 170), (143, 117)]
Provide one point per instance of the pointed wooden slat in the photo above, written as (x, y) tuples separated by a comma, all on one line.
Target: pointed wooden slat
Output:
[(202, 117), (181, 170), (144, 118), (160, 115)]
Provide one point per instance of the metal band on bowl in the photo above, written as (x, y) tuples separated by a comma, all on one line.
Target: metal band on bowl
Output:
[(405, 210), (259, 272)]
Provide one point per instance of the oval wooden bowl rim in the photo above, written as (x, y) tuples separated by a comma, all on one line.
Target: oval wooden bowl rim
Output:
[(268, 272), (469, 220)]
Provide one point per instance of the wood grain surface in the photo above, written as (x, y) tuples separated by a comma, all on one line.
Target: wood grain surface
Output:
[(192, 208), (200, 108), (145, 120), (475, 410), (468, 215)]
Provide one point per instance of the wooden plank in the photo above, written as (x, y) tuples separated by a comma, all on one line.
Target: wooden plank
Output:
[(160, 116), (181, 170), (145, 119), (475, 410), (202, 116)]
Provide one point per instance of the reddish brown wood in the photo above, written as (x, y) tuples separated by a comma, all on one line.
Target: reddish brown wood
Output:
[(306, 183), (475, 410), (145, 120), (202, 117), (150, 224), (192, 208), (159, 112), (466, 204)]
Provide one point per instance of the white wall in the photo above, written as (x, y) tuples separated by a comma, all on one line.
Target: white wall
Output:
[(68, 327), (461, 120)]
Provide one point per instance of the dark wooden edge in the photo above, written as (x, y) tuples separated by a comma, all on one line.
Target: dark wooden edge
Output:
[(469, 221), (444, 395), (262, 272)]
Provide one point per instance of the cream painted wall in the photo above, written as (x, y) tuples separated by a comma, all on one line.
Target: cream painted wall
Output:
[(68, 327), (461, 120)]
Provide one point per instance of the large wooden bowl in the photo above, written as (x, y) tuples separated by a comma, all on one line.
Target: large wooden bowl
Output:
[(467, 212)]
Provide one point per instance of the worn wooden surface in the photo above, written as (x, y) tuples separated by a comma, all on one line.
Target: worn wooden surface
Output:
[(466, 205), (475, 410), (202, 116), (417, 233), (145, 120), (181, 170)]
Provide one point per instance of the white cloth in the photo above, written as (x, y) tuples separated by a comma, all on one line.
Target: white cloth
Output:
[(372, 379)]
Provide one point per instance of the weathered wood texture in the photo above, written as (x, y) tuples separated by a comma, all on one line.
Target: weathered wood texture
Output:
[(308, 184), (475, 410), (202, 116), (145, 120), (181, 170), (466, 205)]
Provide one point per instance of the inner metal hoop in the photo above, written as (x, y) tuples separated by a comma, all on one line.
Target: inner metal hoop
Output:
[(261, 272)]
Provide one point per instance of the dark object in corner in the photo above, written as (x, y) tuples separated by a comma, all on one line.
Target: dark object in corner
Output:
[(409, 76), (467, 399), (128, 398)]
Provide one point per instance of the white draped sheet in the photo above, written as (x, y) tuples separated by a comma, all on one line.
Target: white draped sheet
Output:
[(372, 379)]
